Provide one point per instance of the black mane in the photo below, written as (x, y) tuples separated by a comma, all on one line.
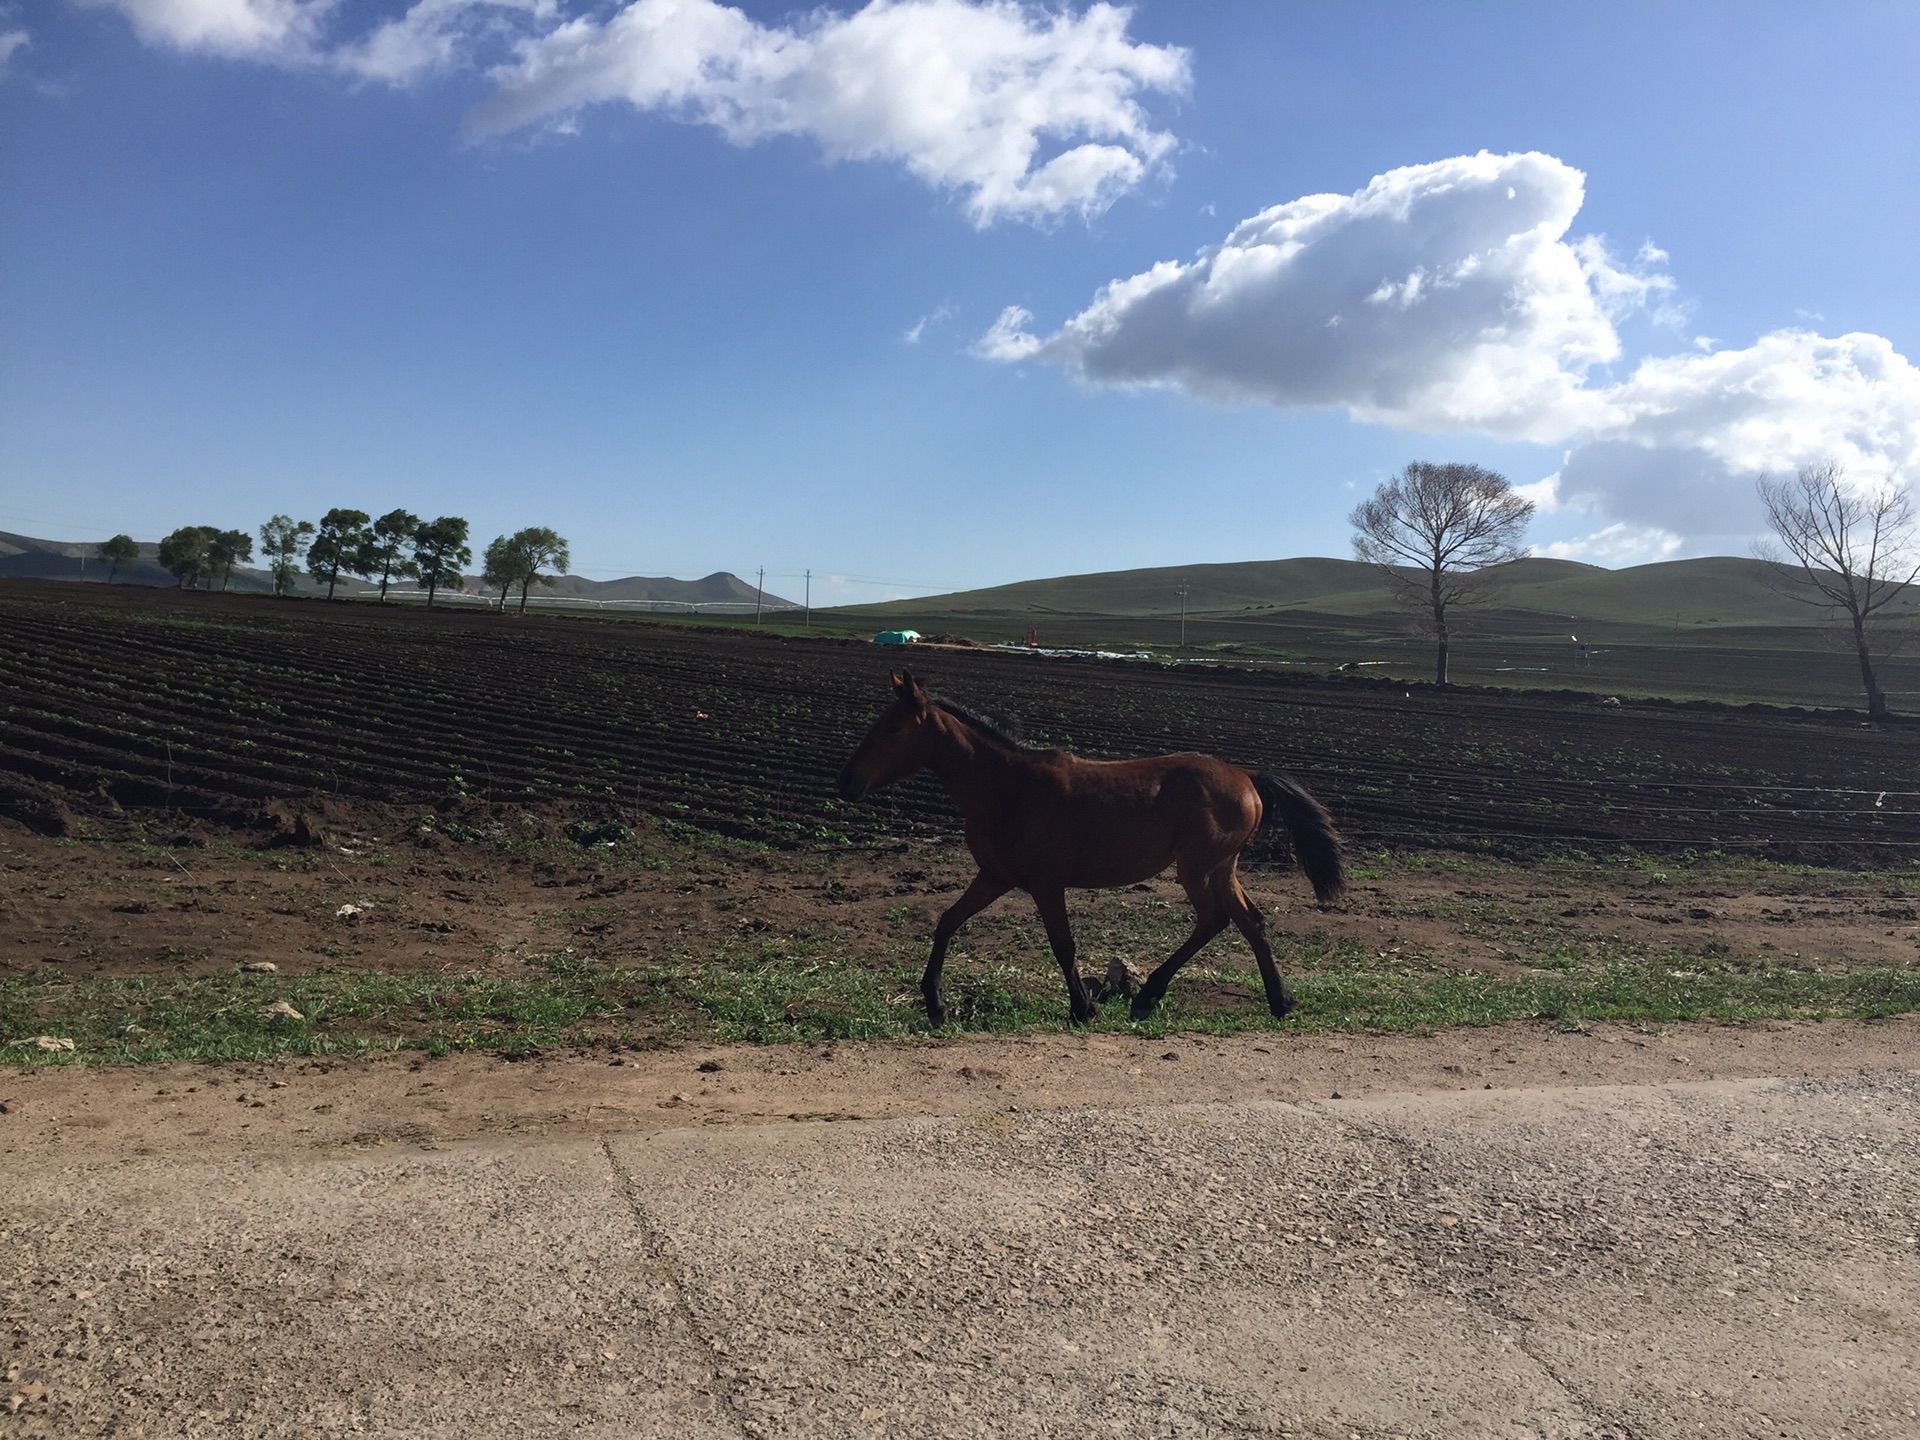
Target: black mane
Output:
[(995, 730)]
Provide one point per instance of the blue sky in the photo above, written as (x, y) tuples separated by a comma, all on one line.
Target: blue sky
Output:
[(648, 274)]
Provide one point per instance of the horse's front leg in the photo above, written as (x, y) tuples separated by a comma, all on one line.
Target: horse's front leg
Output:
[(981, 893), (1052, 905)]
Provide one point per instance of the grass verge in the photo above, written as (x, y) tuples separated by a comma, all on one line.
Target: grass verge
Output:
[(777, 994)]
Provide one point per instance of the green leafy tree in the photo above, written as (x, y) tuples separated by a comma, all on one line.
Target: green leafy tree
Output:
[(187, 554), (120, 553), (339, 546), (502, 566), (281, 540), (384, 552), (228, 549), (441, 552), (539, 548), (1434, 530)]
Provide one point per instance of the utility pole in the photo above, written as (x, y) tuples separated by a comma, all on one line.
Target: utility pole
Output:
[(809, 621), (759, 589), (1183, 615)]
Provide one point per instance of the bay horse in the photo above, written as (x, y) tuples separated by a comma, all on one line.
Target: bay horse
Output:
[(1045, 822)]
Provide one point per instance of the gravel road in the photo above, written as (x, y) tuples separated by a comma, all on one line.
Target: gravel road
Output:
[(1727, 1257)]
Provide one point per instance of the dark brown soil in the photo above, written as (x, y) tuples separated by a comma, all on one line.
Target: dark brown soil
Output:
[(243, 711), (85, 908)]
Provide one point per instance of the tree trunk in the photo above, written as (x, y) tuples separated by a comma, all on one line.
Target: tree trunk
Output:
[(524, 584), (386, 569), (1876, 702), (433, 584), (504, 586), (1439, 632)]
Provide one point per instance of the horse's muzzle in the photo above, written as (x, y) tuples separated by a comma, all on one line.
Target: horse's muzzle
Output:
[(852, 787)]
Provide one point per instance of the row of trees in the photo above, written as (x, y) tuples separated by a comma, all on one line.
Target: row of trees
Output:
[(1435, 531), (397, 546)]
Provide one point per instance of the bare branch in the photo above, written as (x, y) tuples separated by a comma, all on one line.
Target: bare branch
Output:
[(1848, 552), (1432, 527)]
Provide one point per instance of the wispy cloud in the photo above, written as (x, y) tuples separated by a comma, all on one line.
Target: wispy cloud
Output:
[(1618, 544), (937, 316), (10, 41)]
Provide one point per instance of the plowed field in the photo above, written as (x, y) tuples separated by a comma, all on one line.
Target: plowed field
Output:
[(124, 701)]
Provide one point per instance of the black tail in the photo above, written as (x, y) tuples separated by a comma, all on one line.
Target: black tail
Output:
[(1315, 842)]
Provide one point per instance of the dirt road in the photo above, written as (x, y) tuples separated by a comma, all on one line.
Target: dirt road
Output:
[(1710, 1232)]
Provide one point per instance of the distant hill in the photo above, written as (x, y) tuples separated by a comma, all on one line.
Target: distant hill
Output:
[(721, 587), (22, 557), (1719, 591)]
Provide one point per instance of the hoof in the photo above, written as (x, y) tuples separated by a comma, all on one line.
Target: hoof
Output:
[(1143, 1006), (1282, 1007), (936, 1015), (1083, 1017)]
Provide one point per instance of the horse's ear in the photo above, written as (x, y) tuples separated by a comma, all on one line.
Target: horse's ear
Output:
[(899, 683), (908, 688)]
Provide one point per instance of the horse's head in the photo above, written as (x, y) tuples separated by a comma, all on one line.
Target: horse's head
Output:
[(900, 742)]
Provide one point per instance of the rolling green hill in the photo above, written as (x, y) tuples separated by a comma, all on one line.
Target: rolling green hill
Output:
[(1717, 591), (1716, 628)]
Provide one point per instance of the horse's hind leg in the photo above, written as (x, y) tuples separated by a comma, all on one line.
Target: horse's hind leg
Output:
[(1209, 919), (1052, 905), (1253, 925), (981, 893)]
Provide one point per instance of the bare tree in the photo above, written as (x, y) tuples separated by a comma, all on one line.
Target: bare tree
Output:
[(1431, 530), (1848, 552)]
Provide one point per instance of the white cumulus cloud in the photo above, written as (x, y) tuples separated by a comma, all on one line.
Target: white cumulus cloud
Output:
[(428, 36), (1453, 297), (277, 30), (435, 35), (1024, 112), (1790, 397), (1440, 296)]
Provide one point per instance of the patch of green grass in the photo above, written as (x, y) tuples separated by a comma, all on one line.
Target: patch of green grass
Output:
[(805, 989), (1731, 869)]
